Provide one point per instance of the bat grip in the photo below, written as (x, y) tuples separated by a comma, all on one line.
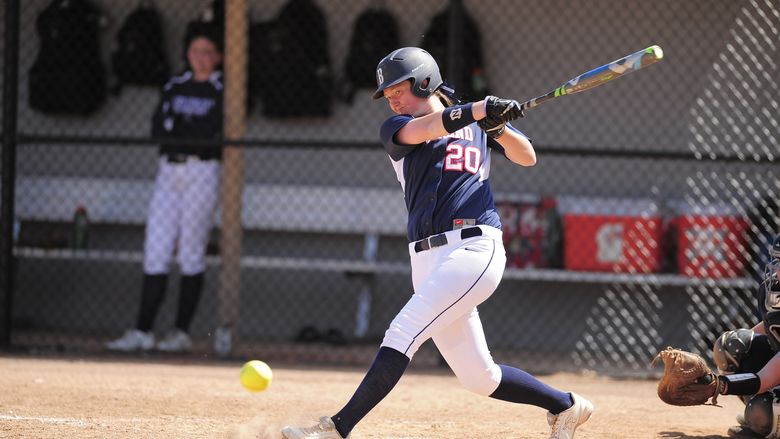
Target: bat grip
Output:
[(527, 105)]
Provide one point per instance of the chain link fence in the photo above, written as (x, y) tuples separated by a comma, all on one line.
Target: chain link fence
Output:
[(280, 232)]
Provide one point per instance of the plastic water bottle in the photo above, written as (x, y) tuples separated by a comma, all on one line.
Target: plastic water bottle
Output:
[(223, 341), (80, 235), (17, 229)]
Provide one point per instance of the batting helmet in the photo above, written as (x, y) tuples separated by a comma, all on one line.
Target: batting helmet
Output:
[(408, 63)]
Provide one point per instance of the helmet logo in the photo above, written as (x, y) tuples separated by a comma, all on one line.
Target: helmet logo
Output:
[(456, 114), (379, 78)]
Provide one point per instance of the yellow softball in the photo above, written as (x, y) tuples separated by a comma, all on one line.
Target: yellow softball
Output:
[(256, 376)]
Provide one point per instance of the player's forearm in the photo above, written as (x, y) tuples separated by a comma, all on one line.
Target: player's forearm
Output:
[(770, 374), (431, 126), (759, 328), (478, 110), (518, 148)]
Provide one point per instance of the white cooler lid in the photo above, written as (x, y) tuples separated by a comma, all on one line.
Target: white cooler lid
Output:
[(719, 208), (639, 207)]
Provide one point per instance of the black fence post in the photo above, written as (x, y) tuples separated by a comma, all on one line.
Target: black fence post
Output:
[(455, 44), (10, 92)]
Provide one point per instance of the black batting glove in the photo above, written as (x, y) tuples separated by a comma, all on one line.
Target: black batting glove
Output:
[(493, 127), (505, 109)]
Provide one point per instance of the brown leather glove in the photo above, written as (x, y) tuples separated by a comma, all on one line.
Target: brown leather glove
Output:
[(687, 380)]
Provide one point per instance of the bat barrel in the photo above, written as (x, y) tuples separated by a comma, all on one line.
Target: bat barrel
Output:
[(602, 74), (623, 66)]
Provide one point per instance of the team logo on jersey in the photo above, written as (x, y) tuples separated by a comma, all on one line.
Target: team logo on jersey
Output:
[(379, 78), (456, 114)]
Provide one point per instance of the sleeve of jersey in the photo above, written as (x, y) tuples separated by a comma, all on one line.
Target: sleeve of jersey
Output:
[(387, 133), (216, 116), (492, 143), (160, 113)]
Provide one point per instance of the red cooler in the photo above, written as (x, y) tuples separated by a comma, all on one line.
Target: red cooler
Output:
[(711, 241), (611, 234)]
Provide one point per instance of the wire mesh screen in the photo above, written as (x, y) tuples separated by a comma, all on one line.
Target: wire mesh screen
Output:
[(207, 177)]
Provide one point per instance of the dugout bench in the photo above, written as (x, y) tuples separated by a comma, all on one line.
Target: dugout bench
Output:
[(369, 212), (363, 276), (372, 213)]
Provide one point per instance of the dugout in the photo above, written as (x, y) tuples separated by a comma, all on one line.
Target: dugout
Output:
[(687, 128)]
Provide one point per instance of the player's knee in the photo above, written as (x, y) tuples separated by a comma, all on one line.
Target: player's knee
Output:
[(731, 348), (400, 340), (482, 382), (156, 266), (192, 264), (759, 415)]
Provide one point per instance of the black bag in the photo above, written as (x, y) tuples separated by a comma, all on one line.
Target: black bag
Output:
[(469, 81), (68, 76), (374, 36), (289, 66), (139, 57)]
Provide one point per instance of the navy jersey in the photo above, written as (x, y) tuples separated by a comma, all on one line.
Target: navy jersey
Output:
[(190, 109), (443, 179)]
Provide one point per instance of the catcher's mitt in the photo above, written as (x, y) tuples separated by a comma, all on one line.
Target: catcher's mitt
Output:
[(687, 379)]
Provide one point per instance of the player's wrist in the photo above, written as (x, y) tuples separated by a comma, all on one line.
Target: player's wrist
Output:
[(457, 117), (739, 384), (497, 132), (478, 110)]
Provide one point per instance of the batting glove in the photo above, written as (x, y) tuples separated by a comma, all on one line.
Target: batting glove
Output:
[(504, 109), (493, 127)]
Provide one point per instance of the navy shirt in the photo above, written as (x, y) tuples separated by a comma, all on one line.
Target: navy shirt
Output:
[(443, 179), (190, 109)]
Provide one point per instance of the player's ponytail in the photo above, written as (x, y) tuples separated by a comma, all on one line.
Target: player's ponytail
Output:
[(447, 95)]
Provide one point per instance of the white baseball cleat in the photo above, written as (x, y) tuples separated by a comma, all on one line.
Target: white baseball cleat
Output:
[(324, 430), (564, 423), (175, 341), (132, 340)]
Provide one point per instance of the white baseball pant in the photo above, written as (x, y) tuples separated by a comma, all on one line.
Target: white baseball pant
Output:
[(449, 282), (181, 214)]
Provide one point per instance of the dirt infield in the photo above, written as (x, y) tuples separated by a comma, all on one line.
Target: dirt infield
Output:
[(169, 398)]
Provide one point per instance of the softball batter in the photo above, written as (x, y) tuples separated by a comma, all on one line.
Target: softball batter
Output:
[(440, 152)]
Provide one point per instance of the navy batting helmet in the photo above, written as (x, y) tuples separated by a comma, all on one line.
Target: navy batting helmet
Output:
[(408, 63)]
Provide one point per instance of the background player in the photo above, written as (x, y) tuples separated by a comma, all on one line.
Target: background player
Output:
[(186, 191), (441, 157)]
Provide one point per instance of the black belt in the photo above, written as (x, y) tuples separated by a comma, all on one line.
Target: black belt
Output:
[(441, 239), (178, 158), (182, 158)]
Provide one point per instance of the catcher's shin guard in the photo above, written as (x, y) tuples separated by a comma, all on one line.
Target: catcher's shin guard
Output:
[(761, 415)]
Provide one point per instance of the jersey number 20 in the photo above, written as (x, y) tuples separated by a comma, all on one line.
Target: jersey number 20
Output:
[(461, 157)]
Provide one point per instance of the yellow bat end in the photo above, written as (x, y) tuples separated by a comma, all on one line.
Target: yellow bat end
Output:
[(656, 51)]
